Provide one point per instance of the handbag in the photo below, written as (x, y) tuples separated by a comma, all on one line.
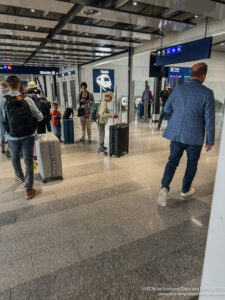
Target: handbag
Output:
[(80, 112)]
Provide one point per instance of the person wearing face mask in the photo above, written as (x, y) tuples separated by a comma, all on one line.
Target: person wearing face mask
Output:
[(86, 100)]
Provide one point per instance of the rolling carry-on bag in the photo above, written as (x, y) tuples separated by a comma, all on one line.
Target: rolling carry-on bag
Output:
[(119, 139), (140, 110), (68, 131), (49, 157)]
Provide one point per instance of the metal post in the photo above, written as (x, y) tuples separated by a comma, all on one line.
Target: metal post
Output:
[(55, 88), (101, 93), (130, 113), (156, 102), (45, 85), (146, 102), (116, 100)]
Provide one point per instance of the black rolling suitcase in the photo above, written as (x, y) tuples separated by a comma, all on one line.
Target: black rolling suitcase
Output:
[(118, 139)]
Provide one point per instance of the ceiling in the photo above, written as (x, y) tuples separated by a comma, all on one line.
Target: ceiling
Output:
[(65, 33)]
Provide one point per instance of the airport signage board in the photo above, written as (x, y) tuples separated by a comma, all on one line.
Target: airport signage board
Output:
[(199, 49), (66, 74), (103, 78), (10, 69), (180, 71)]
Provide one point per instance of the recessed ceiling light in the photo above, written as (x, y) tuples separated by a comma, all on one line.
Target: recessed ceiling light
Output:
[(222, 44), (32, 10), (26, 26), (196, 16), (86, 33), (135, 3)]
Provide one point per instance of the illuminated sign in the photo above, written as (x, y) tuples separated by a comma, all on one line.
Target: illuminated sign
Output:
[(104, 79), (199, 49), (9, 69)]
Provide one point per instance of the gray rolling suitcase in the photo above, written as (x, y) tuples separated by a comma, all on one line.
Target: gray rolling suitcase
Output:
[(49, 157)]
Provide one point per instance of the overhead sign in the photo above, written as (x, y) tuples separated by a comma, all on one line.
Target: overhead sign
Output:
[(200, 49), (9, 69), (66, 74), (104, 79)]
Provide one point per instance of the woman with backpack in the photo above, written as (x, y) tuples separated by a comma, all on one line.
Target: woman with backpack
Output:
[(86, 100)]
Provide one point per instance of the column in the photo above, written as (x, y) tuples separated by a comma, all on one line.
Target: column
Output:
[(130, 112), (156, 99)]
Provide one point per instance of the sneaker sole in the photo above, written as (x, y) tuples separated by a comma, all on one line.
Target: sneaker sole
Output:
[(29, 197)]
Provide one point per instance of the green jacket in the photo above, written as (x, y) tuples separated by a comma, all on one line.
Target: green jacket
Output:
[(103, 113)]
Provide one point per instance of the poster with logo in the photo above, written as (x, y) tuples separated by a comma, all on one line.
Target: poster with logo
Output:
[(103, 78)]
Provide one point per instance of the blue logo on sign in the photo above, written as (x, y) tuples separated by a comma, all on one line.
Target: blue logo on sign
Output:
[(179, 49), (5, 67), (168, 51), (174, 50)]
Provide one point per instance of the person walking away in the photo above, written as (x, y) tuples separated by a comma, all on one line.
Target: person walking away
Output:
[(86, 100), (164, 95), (56, 120), (103, 117), (192, 106), (19, 116), (4, 89), (150, 99), (42, 104)]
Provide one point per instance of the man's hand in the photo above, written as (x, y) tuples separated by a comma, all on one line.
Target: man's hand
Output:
[(208, 148)]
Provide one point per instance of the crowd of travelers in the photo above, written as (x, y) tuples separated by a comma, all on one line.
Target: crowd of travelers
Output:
[(190, 109)]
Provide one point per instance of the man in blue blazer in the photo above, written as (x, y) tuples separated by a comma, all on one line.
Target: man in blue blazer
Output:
[(192, 106)]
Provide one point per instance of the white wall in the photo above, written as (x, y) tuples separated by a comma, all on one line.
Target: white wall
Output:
[(213, 277)]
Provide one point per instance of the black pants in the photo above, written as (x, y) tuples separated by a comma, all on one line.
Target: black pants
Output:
[(41, 127), (161, 117), (149, 110)]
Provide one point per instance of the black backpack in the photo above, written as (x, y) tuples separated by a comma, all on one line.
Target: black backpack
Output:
[(43, 105), (19, 120), (68, 112)]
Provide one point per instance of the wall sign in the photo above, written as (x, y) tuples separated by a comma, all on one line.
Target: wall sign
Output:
[(9, 69), (103, 78), (191, 51)]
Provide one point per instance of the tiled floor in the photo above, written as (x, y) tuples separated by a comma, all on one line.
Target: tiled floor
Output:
[(99, 234)]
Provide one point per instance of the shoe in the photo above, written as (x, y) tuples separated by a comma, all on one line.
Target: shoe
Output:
[(30, 194), (104, 148), (21, 179), (81, 139), (163, 197), (100, 151), (89, 141), (190, 193)]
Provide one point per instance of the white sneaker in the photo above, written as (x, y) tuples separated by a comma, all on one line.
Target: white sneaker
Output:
[(163, 197), (190, 193)]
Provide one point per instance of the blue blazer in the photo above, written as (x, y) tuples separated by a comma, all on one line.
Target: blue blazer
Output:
[(192, 106)]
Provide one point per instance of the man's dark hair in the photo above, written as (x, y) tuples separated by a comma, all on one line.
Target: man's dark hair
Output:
[(13, 82), (83, 84), (199, 69)]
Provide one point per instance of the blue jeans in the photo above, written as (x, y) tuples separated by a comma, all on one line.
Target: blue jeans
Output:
[(26, 146), (176, 151), (57, 131)]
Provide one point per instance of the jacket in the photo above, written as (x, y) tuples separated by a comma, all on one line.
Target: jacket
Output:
[(103, 113), (34, 110), (192, 106)]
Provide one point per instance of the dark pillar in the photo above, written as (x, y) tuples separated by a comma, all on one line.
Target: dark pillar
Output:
[(45, 85), (55, 88), (156, 99), (130, 112)]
